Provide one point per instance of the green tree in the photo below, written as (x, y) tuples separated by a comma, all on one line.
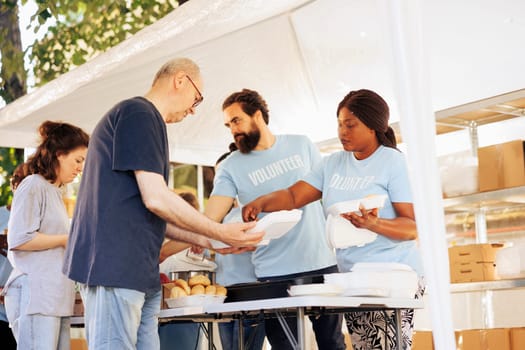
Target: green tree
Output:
[(84, 29), (77, 30), (12, 86), (9, 159), (12, 72)]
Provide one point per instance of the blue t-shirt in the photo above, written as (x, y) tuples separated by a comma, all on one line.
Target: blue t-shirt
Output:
[(234, 268), (247, 176), (115, 240), (341, 177)]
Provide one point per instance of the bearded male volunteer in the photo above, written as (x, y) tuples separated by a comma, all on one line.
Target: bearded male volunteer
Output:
[(264, 163)]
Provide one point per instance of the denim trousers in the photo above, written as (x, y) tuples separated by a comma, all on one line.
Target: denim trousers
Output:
[(120, 318), (35, 332), (253, 334), (179, 335)]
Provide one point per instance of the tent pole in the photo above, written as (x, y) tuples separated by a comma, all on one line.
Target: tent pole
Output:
[(200, 186), (411, 84)]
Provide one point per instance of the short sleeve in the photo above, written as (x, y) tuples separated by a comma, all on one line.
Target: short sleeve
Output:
[(315, 155), (315, 177), (224, 185), (138, 142), (399, 182), (25, 217)]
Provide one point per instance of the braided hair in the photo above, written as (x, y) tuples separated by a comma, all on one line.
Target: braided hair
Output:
[(373, 111)]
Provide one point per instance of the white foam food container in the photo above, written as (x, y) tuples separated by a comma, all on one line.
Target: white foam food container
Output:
[(393, 280), (315, 289), (371, 202), (274, 225), (341, 233)]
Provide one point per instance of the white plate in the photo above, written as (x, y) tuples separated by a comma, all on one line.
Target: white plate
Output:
[(195, 300), (371, 202), (315, 289), (274, 225), (380, 266), (341, 233), (367, 292)]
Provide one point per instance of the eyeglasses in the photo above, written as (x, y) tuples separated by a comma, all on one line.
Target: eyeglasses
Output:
[(199, 99)]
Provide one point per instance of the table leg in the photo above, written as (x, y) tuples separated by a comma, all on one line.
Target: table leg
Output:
[(241, 333), (300, 329), (287, 331), (210, 336), (399, 329)]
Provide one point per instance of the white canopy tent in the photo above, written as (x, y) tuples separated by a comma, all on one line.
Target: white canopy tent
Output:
[(303, 56)]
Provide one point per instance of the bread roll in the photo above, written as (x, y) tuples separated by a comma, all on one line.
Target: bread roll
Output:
[(177, 292), (184, 285), (197, 289), (199, 279), (210, 289), (220, 290)]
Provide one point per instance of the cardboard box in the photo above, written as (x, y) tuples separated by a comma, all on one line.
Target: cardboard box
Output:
[(166, 290), (483, 339), (469, 339), (501, 166), (485, 252), (517, 338), (495, 339), (422, 340), (473, 272), (78, 344)]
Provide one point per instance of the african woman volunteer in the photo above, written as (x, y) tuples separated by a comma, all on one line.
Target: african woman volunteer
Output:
[(369, 165)]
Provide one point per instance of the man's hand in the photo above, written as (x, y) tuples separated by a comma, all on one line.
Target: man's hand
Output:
[(234, 234)]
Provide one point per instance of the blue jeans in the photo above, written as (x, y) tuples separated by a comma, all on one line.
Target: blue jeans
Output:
[(38, 332), (253, 334), (121, 319), (327, 328), (179, 335)]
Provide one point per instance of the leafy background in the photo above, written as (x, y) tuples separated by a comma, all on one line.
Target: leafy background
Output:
[(75, 32)]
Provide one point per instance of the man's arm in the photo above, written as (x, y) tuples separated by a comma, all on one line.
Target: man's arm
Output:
[(184, 236), (160, 200)]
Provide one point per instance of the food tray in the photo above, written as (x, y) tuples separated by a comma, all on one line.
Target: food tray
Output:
[(268, 289), (195, 300)]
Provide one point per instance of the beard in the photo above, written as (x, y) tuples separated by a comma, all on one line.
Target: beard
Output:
[(246, 142)]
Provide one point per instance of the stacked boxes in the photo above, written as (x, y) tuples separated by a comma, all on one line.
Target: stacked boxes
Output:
[(483, 339), (473, 262), (501, 166), (477, 339), (517, 338), (422, 340)]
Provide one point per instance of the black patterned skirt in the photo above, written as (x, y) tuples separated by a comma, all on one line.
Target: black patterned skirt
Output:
[(367, 329)]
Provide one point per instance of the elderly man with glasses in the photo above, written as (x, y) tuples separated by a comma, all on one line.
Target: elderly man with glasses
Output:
[(125, 209)]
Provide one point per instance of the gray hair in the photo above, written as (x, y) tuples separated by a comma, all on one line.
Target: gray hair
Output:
[(176, 65)]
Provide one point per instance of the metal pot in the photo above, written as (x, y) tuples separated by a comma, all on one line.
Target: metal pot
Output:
[(186, 275)]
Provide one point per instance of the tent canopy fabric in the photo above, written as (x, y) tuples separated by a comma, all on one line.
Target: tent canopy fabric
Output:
[(303, 56)]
